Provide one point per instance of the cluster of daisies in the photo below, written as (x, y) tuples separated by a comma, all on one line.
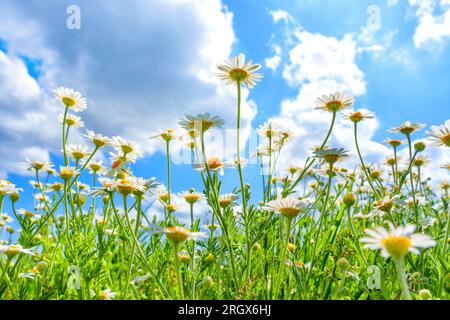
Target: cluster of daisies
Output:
[(281, 194)]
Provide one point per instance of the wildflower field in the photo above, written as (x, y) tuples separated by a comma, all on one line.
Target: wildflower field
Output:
[(323, 230)]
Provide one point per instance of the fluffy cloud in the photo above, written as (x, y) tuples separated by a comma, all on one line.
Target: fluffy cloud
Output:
[(141, 66), (320, 65), (433, 21)]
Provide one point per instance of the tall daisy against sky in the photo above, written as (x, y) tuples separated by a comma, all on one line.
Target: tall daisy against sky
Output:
[(240, 72)]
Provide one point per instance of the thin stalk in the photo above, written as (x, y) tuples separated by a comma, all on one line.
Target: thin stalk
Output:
[(177, 271), (369, 179), (400, 267), (283, 257)]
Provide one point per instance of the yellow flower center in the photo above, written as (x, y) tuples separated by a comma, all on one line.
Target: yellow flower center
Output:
[(238, 74), (289, 212), (192, 197), (397, 246), (70, 121), (391, 161), (99, 142), (37, 165), (225, 202), (13, 249), (214, 163), (394, 142), (407, 130), (164, 197), (126, 148), (68, 101), (446, 140), (356, 116), (103, 296), (125, 187), (375, 174), (66, 174), (177, 234), (331, 158), (95, 167), (28, 214), (334, 105), (78, 155), (385, 206)]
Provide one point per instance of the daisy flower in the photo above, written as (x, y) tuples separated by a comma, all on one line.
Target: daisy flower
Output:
[(119, 165), (407, 127), (291, 169), (6, 218), (214, 164), (34, 165), (191, 196), (72, 121), (397, 241), (107, 294), (77, 152), (227, 199), (96, 167), (331, 156), (180, 234), (67, 173), (167, 135), (288, 207), (71, 99), (334, 102), (358, 116), (128, 148), (239, 71), (393, 142), (28, 214), (137, 186), (200, 122), (446, 166), (269, 130), (97, 139), (420, 161), (14, 249), (7, 187), (107, 186), (440, 135)]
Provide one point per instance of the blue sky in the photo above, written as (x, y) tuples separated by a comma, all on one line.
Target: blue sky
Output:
[(142, 66)]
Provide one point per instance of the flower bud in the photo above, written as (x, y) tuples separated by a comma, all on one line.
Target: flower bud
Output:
[(425, 294), (343, 264), (419, 146), (349, 199), (291, 247)]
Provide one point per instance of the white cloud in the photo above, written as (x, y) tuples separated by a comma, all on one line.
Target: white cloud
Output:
[(274, 61), (319, 65), (141, 67), (280, 15), (433, 21), (320, 58), (23, 113), (391, 3)]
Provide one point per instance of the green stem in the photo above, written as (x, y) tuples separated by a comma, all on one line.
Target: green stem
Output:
[(399, 265), (64, 137), (416, 211), (369, 179), (283, 257), (177, 270), (168, 169)]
